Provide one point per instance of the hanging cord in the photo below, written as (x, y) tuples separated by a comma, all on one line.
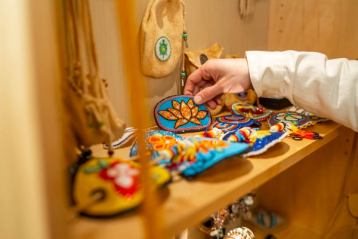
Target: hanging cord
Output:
[(88, 39), (92, 61), (183, 74), (74, 67), (88, 88)]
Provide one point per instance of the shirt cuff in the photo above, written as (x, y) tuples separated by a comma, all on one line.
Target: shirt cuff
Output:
[(270, 73)]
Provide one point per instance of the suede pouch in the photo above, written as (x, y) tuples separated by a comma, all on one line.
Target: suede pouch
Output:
[(194, 59), (91, 114), (161, 37)]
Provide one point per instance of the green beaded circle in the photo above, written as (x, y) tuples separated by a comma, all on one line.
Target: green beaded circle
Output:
[(163, 49)]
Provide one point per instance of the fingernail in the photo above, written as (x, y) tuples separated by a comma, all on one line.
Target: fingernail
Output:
[(198, 100)]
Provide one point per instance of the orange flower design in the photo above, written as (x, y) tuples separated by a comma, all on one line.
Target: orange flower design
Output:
[(183, 113), (160, 142)]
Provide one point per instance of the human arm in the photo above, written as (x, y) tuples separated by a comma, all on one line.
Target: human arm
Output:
[(327, 88), (216, 77)]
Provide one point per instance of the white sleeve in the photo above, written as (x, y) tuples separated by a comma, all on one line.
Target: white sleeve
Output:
[(327, 88)]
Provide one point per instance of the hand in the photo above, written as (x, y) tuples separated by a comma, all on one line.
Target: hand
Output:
[(216, 77)]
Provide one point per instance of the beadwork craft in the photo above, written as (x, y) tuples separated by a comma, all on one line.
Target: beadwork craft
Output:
[(160, 139), (194, 155), (230, 123), (156, 140), (180, 114), (313, 118), (295, 132), (259, 140), (297, 119), (256, 113), (163, 49), (104, 187), (265, 142)]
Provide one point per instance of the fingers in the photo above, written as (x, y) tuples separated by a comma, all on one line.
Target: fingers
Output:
[(207, 94), (214, 102), (196, 79), (192, 82)]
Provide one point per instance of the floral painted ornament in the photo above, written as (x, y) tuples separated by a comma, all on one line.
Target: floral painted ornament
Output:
[(180, 114), (105, 187)]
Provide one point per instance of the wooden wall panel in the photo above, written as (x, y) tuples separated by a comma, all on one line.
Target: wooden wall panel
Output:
[(328, 26)]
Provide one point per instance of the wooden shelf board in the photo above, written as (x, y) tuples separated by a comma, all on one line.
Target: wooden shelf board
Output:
[(186, 203)]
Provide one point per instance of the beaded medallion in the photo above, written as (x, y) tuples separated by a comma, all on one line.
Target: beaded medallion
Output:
[(180, 114), (163, 49)]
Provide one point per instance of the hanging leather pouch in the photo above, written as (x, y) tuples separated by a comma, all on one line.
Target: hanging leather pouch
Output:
[(161, 35), (91, 114)]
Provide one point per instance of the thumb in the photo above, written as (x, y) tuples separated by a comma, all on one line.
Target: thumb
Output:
[(207, 94)]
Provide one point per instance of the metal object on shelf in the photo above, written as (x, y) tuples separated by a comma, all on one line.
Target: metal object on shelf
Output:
[(216, 226), (240, 233)]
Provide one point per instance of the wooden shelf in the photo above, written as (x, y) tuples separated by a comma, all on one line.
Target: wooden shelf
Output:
[(186, 203)]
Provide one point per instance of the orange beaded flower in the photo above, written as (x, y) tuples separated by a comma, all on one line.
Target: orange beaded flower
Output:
[(160, 142), (183, 113)]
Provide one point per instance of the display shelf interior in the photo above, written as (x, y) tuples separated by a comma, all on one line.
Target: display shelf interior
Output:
[(186, 203)]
